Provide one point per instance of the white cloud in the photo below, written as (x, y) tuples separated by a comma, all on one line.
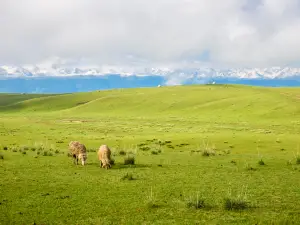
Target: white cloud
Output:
[(139, 33)]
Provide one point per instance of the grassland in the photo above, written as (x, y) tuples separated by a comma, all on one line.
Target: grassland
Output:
[(251, 135)]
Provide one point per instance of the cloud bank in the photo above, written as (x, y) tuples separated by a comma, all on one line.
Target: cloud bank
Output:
[(157, 33)]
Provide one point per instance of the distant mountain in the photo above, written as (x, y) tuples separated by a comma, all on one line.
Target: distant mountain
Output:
[(248, 73), (32, 79)]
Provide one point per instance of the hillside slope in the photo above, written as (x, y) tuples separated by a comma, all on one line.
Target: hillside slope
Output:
[(9, 99), (209, 102)]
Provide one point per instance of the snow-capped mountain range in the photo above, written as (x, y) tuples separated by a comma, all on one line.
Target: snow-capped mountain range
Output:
[(195, 73)]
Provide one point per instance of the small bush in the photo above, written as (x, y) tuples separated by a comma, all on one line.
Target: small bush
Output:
[(33, 149), (5, 148), (38, 152), (122, 152), (50, 154), (45, 153), (14, 149), (154, 152), (56, 151), (235, 204), (127, 176), (298, 159), (261, 162), (24, 152), (1, 156), (129, 160)]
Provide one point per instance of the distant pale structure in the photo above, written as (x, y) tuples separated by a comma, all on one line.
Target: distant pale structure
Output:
[(159, 85), (213, 82)]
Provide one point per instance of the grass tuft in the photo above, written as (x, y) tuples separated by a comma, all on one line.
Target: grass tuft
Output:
[(122, 152), (208, 152), (128, 176), (25, 148), (1, 156), (46, 153), (129, 160), (112, 162), (196, 203), (249, 167), (261, 162), (235, 204), (151, 201)]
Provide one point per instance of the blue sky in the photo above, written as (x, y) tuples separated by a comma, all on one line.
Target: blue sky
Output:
[(134, 34)]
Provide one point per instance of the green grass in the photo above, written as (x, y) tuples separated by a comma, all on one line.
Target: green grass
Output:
[(166, 130)]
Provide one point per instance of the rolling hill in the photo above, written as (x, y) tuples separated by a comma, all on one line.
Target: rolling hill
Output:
[(199, 102)]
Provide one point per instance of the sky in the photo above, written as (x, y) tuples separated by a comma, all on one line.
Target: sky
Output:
[(156, 33)]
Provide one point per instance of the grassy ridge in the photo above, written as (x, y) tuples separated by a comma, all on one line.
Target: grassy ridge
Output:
[(167, 130), (222, 102), (9, 99)]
